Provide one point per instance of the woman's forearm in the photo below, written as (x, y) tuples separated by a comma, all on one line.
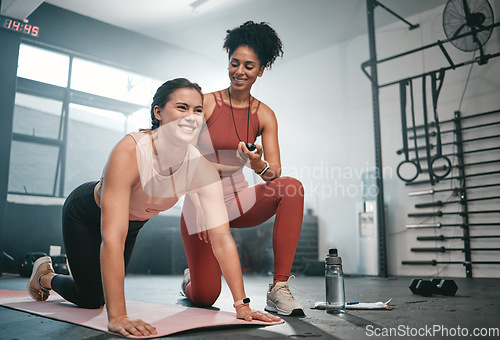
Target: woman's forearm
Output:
[(217, 224), (226, 253), (274, 171), (113, 276)]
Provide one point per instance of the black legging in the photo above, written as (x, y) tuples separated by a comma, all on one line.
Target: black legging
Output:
[(81, 221)]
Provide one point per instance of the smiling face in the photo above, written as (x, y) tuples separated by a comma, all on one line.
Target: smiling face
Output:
[(182, 115), (244, 68)]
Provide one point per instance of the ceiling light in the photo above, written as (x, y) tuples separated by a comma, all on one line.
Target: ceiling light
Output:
[(200, 6)]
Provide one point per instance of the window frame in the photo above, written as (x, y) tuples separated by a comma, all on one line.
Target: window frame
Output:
[(67, 95)]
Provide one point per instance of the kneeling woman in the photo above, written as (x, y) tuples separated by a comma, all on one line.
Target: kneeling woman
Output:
[(146, 173)]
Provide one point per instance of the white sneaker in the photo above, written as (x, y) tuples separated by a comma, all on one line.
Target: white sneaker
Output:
[(280, 300), (185, 281)]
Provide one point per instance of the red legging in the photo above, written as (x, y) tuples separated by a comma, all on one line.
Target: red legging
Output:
[(283, 196)]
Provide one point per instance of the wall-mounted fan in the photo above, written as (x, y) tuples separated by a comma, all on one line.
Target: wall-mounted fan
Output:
[(464, 16)]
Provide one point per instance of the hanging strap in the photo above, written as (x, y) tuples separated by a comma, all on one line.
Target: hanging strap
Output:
[(404, 127), (426, 128), (436, 89), (414, 126)]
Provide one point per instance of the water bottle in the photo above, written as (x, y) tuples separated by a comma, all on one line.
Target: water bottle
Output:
[(334, 282)]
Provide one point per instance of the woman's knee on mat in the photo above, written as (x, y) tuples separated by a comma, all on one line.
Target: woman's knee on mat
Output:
[(204, 297), (91, 304), (90, 301), (204, 300)]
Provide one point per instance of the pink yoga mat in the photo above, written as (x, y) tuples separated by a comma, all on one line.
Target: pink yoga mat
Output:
[(167, 319)]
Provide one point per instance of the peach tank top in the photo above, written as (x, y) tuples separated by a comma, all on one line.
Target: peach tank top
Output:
[(156, 192)]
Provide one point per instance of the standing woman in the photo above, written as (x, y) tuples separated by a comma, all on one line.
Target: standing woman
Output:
[(147, 172), (234, 117)]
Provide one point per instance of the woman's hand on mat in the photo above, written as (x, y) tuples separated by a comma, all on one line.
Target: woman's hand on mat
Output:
[(126, 326), (246, 313)]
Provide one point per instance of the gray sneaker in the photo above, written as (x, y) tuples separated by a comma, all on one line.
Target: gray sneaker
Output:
[(185, 281), (41, 267), (280, 300)]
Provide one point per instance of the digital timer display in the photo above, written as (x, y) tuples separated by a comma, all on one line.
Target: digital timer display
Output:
[(21, 27)]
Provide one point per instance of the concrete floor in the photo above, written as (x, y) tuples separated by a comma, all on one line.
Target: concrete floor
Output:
[(475, 306)]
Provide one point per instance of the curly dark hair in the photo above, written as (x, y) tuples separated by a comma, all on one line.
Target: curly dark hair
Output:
[(262, 38), (163, 93)]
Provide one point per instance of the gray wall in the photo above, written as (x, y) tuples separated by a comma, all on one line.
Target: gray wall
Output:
[(329, 98), (8, 68)]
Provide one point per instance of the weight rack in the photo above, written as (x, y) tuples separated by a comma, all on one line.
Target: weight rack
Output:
[(466, 214), (372, 75)]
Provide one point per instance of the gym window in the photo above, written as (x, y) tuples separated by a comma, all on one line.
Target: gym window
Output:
[(69, 113)]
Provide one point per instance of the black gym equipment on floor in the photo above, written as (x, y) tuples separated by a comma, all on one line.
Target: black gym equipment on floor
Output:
[(434, 286)]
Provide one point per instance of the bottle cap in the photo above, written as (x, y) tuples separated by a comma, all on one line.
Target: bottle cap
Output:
[(332, 257)]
